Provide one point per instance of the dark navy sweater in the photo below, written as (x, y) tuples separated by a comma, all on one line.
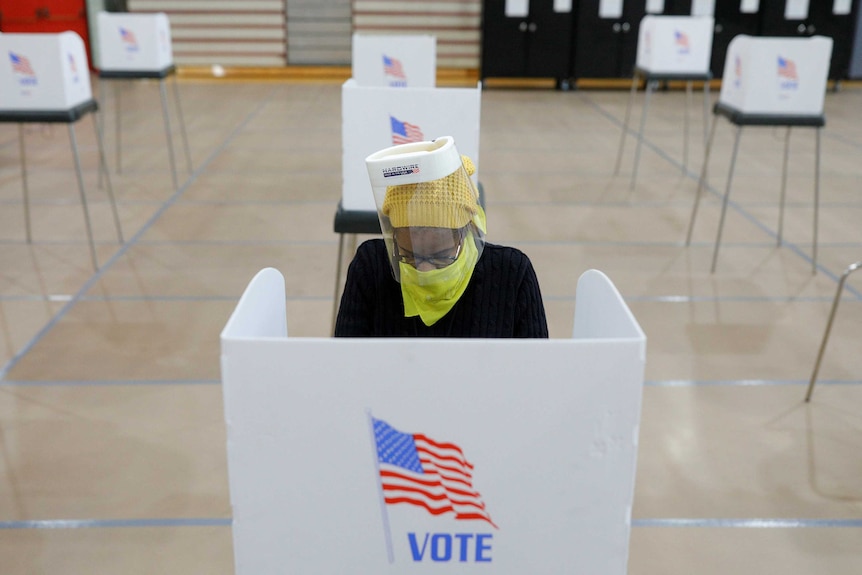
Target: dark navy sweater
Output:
[(501, 300)]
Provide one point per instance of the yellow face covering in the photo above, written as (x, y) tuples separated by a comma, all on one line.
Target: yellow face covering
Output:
[(431, 294)]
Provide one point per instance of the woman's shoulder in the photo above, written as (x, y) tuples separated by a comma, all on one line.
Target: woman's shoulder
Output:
[(508, 254)]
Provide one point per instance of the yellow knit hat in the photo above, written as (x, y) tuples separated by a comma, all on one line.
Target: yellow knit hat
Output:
[(449, 202)]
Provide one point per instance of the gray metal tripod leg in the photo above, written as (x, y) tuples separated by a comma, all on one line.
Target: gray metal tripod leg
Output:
[(632, 93), (783, 185), (25, 184), (166, 116), (338, 266), (816, 202), (726, 196), (182, 121), (103, 171), (117, 127), (835, 302), (648, 92), (701, 182), (84, 205), (686, 126)]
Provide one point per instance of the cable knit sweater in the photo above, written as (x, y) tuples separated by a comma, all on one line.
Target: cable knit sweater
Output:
[(501, 300)]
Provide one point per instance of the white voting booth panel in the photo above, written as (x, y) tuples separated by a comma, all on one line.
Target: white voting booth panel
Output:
[(375, 118), (43, 72), (675, 44), (776, 75), (541, 436), (134, 42), (395, 61)]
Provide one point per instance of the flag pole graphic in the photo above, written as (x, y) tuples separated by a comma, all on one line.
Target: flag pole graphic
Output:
[(386, 530)]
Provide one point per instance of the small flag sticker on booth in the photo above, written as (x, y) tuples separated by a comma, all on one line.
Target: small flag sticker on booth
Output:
[(127, 37), (392, 67), (787, 69), (21, 64), (417, 470), (681, 41), (404, 132)]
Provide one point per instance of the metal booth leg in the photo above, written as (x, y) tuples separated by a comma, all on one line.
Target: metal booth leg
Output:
[(117, 128), (632, 93), (706, 103), (103, 172), (835, 302), (182, 121), (701, 183), (166, 116), (335, 295), (686, 126), (26, 186), (726, 196), (816, 202), (783, 185), (650, 86), (86, 208)]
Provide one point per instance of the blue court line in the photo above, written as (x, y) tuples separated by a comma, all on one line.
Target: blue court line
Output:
[(112, 523), (129, 243), (763, 523), (106, 382), (744, 382), (749, 523)]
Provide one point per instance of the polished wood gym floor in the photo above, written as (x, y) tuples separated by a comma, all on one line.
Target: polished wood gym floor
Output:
[(111, 424)]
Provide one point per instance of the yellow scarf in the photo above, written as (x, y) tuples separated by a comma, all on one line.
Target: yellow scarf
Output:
[(431, 294)]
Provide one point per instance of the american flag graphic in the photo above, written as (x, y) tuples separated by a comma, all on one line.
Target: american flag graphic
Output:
[(21, 64), (392, 67), (128, 37), (404, 133), (737, 68), (787, 69), (72, 65), (680, 39), (417, 470)]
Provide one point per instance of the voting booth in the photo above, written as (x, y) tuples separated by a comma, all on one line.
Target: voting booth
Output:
[(394, 60), (373, 118), (771, 82), (669, 48), (412, 455), (46, 79), (134, 47)]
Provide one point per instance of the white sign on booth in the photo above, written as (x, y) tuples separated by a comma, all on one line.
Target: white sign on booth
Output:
[(376, 118), (675, 44), (43, 72), (395, 61), (402, 455), (776, 75), (134, 42)]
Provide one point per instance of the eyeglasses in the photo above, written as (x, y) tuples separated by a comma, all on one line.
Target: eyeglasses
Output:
[(437, 260)]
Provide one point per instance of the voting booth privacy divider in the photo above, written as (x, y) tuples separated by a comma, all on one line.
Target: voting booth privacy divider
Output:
[(134, 47), (669, 48), (394, 61), (771, 82), (452, 455), (45, 78)]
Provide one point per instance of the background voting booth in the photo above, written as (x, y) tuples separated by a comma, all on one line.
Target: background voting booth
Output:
[(395, 61), (46, 79), (771, 82), (389, 111), (324, 435), (138, 46), (669, 48)]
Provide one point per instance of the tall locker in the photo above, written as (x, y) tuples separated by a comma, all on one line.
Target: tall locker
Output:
[(836, 19), (732, 17), (606, 40), (533, 45)]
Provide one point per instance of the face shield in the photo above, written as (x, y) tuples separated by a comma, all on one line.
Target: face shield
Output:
[(429, 212)]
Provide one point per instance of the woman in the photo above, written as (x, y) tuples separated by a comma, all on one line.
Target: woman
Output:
[(432, 274)]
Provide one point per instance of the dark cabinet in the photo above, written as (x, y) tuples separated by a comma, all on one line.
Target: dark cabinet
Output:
[(730, 21), (821, 21), (537, 45), (607, 47)]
